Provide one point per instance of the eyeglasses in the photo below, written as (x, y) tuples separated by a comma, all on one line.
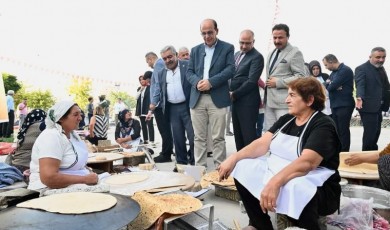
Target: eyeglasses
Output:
[(209, 33), (245, 43), (167, 57)]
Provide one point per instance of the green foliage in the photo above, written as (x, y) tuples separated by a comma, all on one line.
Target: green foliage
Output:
[(11, 82), (38, 99), (130, 101), (81, 90)]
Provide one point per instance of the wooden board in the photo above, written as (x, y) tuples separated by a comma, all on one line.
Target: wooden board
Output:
[(363, 171)]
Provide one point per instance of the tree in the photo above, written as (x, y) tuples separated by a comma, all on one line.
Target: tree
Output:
[(126, 98), (11, 83), (37, 99), (80, 89)]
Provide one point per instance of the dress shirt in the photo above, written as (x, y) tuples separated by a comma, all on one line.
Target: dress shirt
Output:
[(209, 51), (10, 103), (175, 91)]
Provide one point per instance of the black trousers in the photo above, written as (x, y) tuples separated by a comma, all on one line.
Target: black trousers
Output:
[(164, 127), (372, 129), (342, 117), (8, 127), (244, 124), (147, 129), (308, 218)]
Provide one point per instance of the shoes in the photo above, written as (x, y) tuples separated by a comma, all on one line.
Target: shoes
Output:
[(175, 169), (209, 154), (249, 228), (162, 159), (229, 134)]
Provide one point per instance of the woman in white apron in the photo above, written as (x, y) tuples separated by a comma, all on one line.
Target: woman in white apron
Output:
[(59, 156), (128, 131), (299, 176)]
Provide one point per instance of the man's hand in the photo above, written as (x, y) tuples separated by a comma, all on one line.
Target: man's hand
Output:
[(271, 82), (149, 115), (203, 85), (359, 103)]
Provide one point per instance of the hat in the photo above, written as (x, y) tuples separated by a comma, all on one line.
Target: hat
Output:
[(10, 92)]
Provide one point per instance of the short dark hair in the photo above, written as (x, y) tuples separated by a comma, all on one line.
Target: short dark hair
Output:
[(90, 98), (147, 75), (282, 27), (150, 54), (307, 87), (331, 58)]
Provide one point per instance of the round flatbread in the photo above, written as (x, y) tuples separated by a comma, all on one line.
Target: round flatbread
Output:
[(364, 168), (72, 203), (153, 206), (127, 178)]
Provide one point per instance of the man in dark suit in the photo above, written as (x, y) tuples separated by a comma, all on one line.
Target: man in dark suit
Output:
[(342, 104), (174, 91), (211, 66), (244, 91), (163, 125), (372, 96)]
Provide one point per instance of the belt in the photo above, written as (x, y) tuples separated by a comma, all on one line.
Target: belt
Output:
[(205, 92), (177, 103)]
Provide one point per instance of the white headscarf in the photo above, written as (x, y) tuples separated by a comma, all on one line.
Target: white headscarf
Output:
[(55, 113)]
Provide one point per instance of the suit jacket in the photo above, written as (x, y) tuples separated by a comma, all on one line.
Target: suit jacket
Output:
[(183, 65), (372, 88), (244, 82), (159, 65), (340, 87), (288, 67), (221, 70), (145, 103)]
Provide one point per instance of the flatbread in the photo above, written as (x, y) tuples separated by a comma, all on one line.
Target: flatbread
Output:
[(72, 203), (126, 178), (213, 177), (153, 206), (364, 168)]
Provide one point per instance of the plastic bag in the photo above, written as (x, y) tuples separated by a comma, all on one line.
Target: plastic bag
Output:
[(355, 213)]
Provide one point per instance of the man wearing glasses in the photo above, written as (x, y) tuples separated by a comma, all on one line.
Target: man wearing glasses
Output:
[(211, 66), (244, 91)]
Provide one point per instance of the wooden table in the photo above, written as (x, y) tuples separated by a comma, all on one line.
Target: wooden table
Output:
[(358, 177), (125, 211), (105, 165)]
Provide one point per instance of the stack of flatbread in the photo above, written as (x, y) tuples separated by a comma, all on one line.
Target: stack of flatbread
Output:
[(213, 178), (154, 206)]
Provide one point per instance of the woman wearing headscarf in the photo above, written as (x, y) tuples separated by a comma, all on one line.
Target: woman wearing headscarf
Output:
[(32, 126), (316, 72), (127, 131), (98, 126), (59, 156)]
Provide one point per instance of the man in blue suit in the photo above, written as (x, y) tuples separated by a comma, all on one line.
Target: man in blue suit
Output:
[(372, 96), (342, 104), (211, 66), (174, 91), (157, 64)]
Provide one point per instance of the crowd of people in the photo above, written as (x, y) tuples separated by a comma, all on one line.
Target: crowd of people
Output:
[(189, 94)]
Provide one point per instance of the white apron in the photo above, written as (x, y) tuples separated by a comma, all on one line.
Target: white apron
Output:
[(254, 174), (78, 166), (134, 143)]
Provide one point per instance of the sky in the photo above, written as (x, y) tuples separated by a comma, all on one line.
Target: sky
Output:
[(47, 42)]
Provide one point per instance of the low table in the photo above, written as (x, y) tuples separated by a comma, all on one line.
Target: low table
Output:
[(125, 211), (105, 165)]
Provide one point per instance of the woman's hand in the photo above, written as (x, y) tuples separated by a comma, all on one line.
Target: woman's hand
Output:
[(125, 146), (269, 196), (226, 167), (91, 179), (354, 159)]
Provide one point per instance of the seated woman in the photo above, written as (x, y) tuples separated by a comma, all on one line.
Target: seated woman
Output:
[(382, 158), (299, 176), (32, 126), (98, 126), (128, 131), (59, 156)]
